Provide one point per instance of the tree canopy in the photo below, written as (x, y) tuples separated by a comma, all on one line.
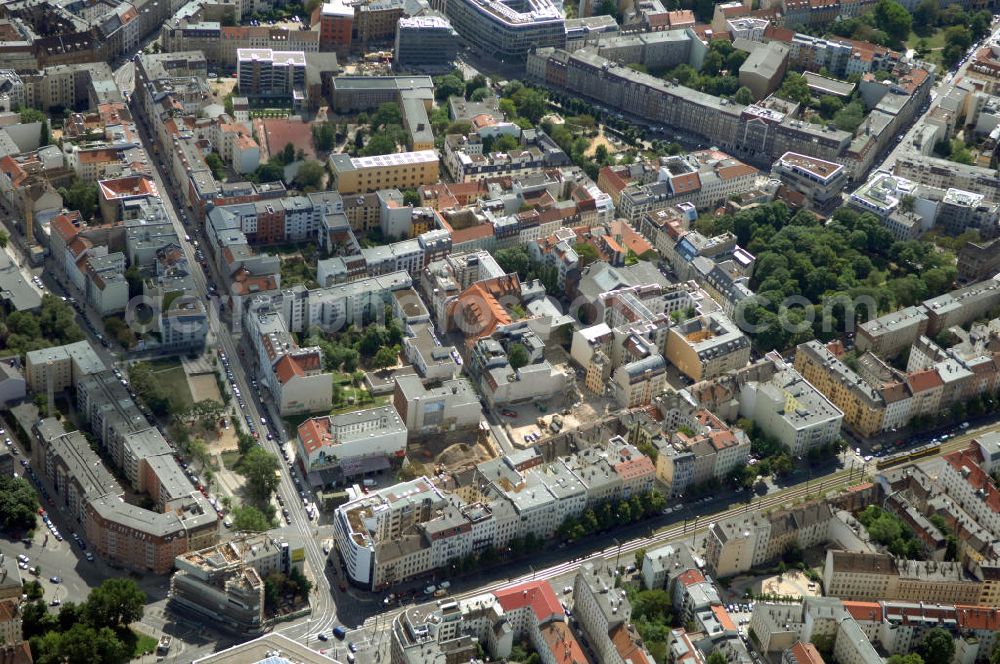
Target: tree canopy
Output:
[(18, 504), (937, 646), (259, 468), (250, 519), (837, 267)]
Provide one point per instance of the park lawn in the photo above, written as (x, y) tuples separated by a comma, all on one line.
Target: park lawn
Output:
[(934, 41), (230, 459), (175, 381), (360, 403), (140, 643)]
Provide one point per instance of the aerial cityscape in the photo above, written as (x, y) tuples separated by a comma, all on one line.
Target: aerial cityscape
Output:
[(469, 331)]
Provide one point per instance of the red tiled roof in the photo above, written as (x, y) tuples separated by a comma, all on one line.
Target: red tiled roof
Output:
[(314, 434), (637, 467), (685, 183), (735, 171), (723, 617), (538, 595), (978, 617), (921, 381), (867, 611), (287, 368), (64, 228), (690, 577), (563, 645), (471, 233), (970, 459), (806, 653), (629, 646)]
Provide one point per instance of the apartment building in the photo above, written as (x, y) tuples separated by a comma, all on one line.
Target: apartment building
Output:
[(332, 449), (452, 406), (492, 622), (636, 383), (604, 613), (127, 535), (414, 527), (862, 406), (876, 576), (704, 178), (508, 31), (705, 449), (960, 211), (887, 335), (820, 181), (962, 305), (220, 43), (965, 478), (360, 93), (224, 583), (60, 367), (706, 346), (263, 72), (790, 410), (403, 170), (336, 22), (764, 69), (424, 41), (293, 375), (944, 174), (767, 128), (978, 261), (747, 541)]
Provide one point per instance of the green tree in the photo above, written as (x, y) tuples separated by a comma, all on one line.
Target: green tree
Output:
[(716, 657), (893, 19), (743, 96), (214, 163), (310, 175), (447, 86), (380, 143), (386, 356), (250, 519), (36, 619), (411, 197), (530, 103), (259, 467), (288, 154), (795, 88), (117, 602), (480, 94), (606, 8), (81, 196), (518, 356), (926, 16), (587, 253), (912, 658), (829, 106), (387, 114), (151, 390), (937, 647), (18, 504), (850, 117), (324, 137), (271, 171)]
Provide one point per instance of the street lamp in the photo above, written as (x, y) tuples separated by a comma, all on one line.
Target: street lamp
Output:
[(308, 630)]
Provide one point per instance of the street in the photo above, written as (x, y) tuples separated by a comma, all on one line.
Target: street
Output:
[(302, 532)]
